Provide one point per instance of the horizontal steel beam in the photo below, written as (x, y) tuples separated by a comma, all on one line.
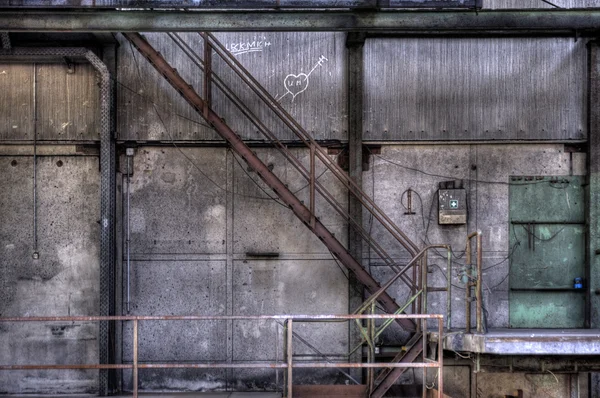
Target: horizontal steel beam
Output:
[(238, 4), (288, 20)]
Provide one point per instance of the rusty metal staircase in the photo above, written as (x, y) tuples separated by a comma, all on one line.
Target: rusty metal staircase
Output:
[(307, 214)]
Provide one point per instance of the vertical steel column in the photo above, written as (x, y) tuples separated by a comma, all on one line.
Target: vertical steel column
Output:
[(593, 201), (355, 64)]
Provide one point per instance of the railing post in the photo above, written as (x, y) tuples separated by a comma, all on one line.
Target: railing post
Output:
[(312, 185), (424, 353), (478, 291), (424, 282), (449, 290), (207, 74), (135, 358), (371, 359), (440, 354), (290, 354)]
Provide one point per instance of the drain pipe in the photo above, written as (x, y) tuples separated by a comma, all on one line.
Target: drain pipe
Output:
[(107, 182)]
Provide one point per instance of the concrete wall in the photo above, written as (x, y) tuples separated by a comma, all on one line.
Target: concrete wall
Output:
[(195, 216), (485, 170), (62, 282)]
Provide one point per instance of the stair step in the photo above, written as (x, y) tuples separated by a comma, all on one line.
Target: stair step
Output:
[(325, 391)]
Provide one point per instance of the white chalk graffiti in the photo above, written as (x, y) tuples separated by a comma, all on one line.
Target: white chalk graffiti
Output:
[(296, 84), (257, 44)]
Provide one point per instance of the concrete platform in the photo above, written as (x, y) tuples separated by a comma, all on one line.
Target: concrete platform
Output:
[(526, 342), (165, 395)]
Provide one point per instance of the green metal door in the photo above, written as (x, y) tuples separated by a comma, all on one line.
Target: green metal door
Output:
[(547, 246)]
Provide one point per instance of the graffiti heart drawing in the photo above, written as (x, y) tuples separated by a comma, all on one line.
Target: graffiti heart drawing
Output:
[(295, 84)]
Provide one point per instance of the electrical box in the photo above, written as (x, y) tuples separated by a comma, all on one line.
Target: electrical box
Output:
[(452, 203)]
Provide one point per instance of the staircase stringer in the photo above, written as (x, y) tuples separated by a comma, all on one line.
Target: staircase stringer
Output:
[(280, 189)]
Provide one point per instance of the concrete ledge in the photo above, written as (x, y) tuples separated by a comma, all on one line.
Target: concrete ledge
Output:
[(527, 342)]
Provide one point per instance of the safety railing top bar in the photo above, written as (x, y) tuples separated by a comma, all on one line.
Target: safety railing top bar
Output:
[(338, 207), (299, 132), (288, 349)]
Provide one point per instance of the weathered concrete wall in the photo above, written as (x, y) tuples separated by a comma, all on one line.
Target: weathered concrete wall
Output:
[(63, 281), (485, 170), (190, 240)]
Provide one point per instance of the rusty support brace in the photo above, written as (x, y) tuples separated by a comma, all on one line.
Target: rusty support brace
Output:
[(280, 189)]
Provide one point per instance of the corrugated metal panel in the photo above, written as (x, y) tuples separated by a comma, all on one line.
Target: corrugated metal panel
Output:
[(16, 89), (68, 103), (435, 89), (318, 102), (495, 4), (140, 86)]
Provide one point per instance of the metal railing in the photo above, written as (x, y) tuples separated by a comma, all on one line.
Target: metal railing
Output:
[(288, 347)]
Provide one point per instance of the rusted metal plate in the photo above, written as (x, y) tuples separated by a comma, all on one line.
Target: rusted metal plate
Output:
[(320, 391)]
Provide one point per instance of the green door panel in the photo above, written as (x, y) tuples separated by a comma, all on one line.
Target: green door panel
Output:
[(547, 246), (547, 310)]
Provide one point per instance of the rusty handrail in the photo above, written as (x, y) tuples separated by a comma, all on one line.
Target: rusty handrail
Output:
[(477, 283), (289, 364), (299, 131), (314, 183)]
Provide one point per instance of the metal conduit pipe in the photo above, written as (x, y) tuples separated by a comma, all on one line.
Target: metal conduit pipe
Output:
[(107, 183)]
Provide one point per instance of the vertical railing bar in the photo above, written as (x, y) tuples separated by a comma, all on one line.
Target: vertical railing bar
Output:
[(449, 290), (440, 354), (424, 354), (478, 286), (135, 358), (312, 185), (285, 356), (207, 75), (290, 354)]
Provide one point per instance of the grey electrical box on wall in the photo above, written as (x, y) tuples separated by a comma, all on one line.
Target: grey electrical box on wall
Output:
[(452, 203)]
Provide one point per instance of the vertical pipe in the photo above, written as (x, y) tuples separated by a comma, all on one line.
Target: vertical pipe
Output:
[(290, 354), (449, 290), (468, 286), (135, 358), (478, 285), (35, 254), (440, 354), (128, 232)]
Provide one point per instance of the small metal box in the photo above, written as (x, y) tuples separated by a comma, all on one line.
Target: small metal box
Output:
[(452, 204)]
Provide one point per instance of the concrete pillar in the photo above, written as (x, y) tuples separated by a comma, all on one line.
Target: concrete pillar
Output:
[(355, 66)]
